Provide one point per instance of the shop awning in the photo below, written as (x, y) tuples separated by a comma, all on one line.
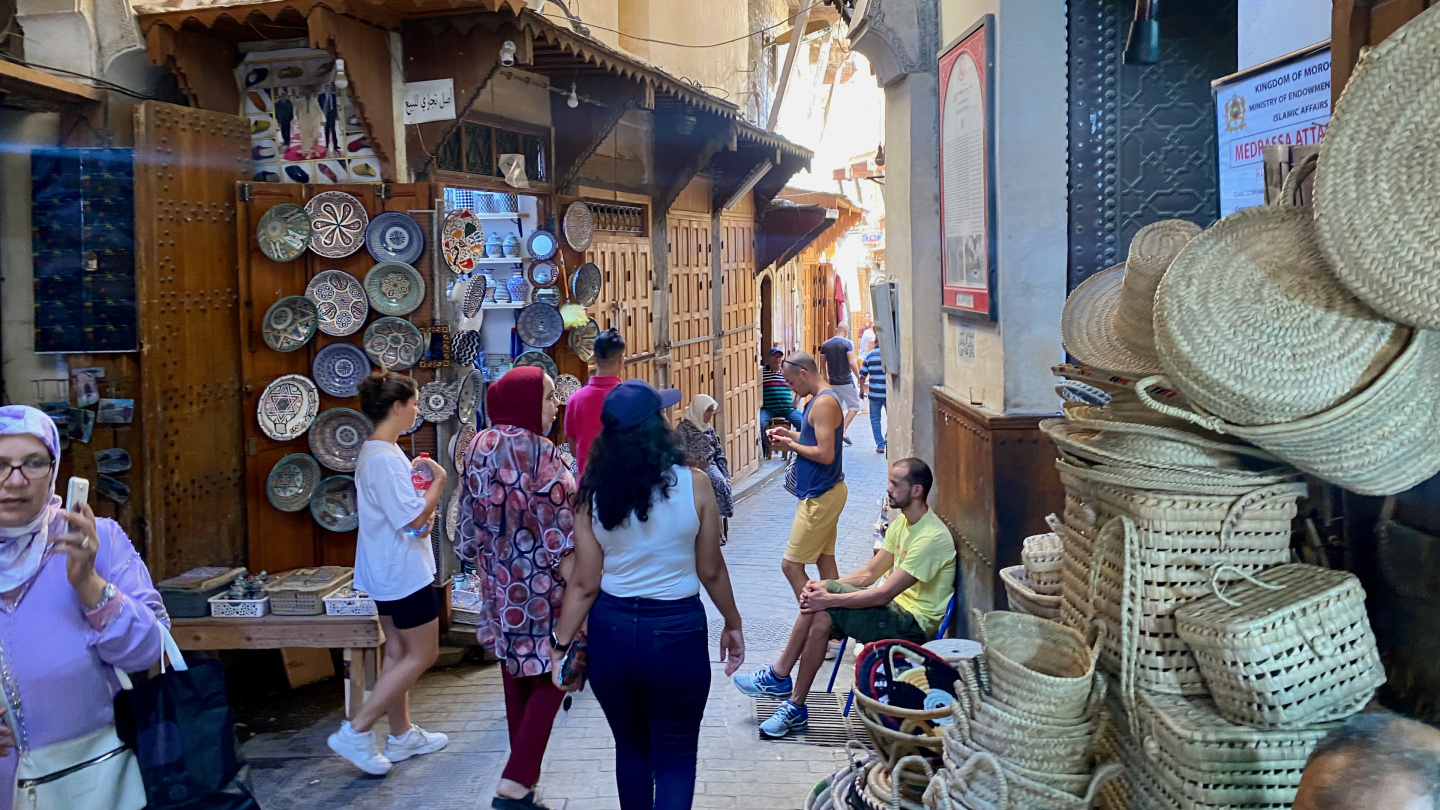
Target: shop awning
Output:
[(812, 219)]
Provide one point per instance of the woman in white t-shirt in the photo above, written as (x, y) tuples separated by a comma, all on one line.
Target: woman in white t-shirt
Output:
[(394, 565)]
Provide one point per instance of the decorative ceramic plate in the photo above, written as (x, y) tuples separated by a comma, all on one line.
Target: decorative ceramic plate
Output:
[(284, 232), (579, 226), (541, 245), (333, 504), (394, 237), (337, 437), (292, 481), (338, 222), (419, 420), (582, 340), (475, 295), (394, 344), (290, 323), (465, 348), (540, 360), (287, 407), (585, 284), (395, 288), (567, 457), (565, 386), (339, 368), (463, 241), (467, 401), (539, 325), (452, 517), (462, 443), (437, 401), (340, 300), (543, 274)]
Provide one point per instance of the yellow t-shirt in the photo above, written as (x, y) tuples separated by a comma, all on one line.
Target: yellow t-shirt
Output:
[(925, 551)]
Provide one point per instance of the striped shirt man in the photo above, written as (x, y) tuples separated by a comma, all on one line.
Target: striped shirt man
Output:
[(874, 373)]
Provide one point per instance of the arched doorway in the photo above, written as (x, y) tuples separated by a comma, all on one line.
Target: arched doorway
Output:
[(767, 315)]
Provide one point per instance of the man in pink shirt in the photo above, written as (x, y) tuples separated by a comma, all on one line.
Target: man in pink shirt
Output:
[(582, 412)]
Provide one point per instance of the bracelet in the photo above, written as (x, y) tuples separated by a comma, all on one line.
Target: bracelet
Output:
[(105, 597)]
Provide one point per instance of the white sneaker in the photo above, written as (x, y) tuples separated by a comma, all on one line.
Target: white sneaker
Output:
[(359, 748), (832, 650), (413, 743)]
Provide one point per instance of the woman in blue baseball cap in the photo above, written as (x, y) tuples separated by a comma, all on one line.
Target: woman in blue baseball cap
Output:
[(647, 537)]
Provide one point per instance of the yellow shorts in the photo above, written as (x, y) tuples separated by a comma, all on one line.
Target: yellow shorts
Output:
[(812, 535)]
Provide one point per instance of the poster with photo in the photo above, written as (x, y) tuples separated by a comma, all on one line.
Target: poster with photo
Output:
[(967, 177), (302, 130)]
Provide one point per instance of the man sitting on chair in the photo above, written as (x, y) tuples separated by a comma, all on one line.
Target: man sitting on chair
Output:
[(918, 563)]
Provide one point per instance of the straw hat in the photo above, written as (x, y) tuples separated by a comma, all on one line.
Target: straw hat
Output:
[(1252, 325), (1375, 191), (1107, 321)]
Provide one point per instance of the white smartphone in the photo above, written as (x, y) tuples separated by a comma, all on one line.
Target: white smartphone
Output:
[(77, 493)]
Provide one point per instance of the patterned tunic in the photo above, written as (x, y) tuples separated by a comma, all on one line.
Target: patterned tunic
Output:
[(705, 452), (515, 527)]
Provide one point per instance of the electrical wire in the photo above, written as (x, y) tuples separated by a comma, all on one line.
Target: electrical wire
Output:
[(783, 22), (101, 84)]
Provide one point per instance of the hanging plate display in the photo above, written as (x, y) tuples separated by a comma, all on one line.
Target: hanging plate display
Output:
[(541, 245), (437, 401), (452, 517), (337, 437), (339, 368), (290, 323), (579, 226), (543, 274), (467, 401), (340, 300), (540, 360), (284, 232), (394, 344), (395, 288), (585, 284), (394, 237), (287, 407), (475, 295), (539, 325), (567, 457), (565, 386), (582, 340), (462, 241), (337, 222), (292, 481), (462, 443), (333, 504), (465, 348)]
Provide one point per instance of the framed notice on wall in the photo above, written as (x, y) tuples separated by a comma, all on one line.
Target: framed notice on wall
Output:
[(1283, 102), (967, 171)]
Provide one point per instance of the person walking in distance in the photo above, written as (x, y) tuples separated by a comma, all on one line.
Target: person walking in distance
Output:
[(647, 538), (918, 564), (394, 565), (819, 474), (705, 451), (776, 400), (842, 371), (872, 375), (582, 411)]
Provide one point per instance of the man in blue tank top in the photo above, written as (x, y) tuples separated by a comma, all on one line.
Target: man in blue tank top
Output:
[(819, 477)]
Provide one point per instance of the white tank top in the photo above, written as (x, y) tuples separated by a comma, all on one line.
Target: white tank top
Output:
[(655, 558)]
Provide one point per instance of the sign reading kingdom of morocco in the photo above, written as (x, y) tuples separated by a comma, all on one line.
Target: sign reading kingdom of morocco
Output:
[(1284, 101)]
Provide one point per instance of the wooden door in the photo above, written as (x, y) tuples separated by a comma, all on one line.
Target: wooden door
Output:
[(692, 333), (187, 162), (626, 302), (738, 386)]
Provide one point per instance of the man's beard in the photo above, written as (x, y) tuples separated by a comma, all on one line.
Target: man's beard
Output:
[(895, 504)]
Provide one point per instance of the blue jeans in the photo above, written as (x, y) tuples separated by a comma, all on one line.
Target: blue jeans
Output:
[(650, 668), (793, 417), (877, 405)]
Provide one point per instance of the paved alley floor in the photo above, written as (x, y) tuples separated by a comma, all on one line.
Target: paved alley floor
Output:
[(736, 769)]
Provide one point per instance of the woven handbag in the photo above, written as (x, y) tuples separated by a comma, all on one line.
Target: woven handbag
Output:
[(1041, 556), (1036, 665), (1024, 599), (1002, 786), (1285, 648)]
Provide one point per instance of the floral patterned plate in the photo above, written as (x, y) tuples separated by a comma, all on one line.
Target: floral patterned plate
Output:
[(394, 237), (462, 443), (340, 300), (337, 436), (565, 386), (284, 232), (339, 368), (287, 407), (394, 344), (463, 241), (290, 323), (395, 288), (337, 222), (333, 504), (292, 481), (437, 401)]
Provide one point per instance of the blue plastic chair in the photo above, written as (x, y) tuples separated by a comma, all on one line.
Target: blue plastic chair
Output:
[(840, 656)]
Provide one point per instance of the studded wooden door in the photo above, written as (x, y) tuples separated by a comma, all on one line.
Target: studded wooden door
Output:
[(187, 162), (738, 385), (692, 333), (627, 297)]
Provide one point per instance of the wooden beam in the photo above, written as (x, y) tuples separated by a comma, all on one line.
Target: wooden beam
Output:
[(366, 51), (791, 50), (22, 84), (679, 157), (204, 66)]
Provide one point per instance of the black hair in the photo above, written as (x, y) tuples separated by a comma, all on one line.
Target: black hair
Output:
[(628, 470), (917, 472), (608, 344), (1384, 753), (381, 390)]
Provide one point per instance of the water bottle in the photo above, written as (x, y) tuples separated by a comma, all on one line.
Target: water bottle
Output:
[(421, 476)]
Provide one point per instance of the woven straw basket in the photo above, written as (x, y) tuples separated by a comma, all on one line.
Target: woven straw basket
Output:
[(1287, 648), (999, 786), (1141, 451), (1024, 599), (1055, 752), (916, 737), (1036, 665), (1041, 555)]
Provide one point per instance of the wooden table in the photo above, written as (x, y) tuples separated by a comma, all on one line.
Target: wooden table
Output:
[(359, 636)]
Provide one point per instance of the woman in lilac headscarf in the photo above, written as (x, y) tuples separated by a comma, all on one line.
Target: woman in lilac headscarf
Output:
[(76, 603)]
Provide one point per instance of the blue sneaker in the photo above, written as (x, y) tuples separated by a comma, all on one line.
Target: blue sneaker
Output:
[(763, 682), (786, 719)]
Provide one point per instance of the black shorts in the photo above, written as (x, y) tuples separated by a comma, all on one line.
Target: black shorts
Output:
[(419, 608)]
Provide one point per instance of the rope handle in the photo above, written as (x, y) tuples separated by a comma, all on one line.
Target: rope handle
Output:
[(1101, 776), (1250, 500), (1290, 189), (895, 777), (1142, 390), (982, 662), (1215, 584), (1054, 522), (962, 710), (974, 762), (1130, 588)]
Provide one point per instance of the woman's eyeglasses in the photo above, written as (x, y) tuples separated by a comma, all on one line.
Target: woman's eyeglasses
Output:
[(32, 469)]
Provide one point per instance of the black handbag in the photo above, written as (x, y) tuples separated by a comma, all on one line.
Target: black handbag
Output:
[(182, 731)]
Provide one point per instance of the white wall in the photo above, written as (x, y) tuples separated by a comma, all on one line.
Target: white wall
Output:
[(1273, 28)]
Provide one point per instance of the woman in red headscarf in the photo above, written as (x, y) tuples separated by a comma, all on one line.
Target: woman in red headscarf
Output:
[(515, 529)]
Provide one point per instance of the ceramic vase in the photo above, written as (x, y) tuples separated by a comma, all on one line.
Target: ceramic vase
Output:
[(519, 288), (495, 247), (512, 246)]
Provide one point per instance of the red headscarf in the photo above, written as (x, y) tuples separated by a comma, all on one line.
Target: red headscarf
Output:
[(515, 399)]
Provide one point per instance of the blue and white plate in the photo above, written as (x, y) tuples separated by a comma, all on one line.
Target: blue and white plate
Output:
[(334, 505), (395, 288), (394, 237), (336, 437), (339, 368), (292, 481)]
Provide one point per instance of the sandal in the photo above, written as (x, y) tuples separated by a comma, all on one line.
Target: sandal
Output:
[(526, 803)]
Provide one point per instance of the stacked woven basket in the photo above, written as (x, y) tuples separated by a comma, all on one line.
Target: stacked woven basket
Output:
[(1034, 587)]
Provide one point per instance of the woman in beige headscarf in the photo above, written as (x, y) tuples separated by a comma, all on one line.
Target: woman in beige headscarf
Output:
[(706, 452)]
